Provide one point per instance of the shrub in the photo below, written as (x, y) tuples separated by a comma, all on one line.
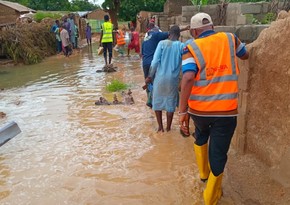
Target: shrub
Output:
[(116, 85), (41, 15)]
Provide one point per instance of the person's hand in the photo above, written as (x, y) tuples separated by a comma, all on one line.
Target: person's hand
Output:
[(144, 87), (100, 44), (147, 80), (184, 124)]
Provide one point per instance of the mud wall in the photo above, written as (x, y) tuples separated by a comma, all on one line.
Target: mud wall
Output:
[(264, 121), (8, 15)]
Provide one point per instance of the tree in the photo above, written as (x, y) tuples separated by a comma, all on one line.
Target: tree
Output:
[(130, 8), (49, 5), (83, 5), (112, 7)]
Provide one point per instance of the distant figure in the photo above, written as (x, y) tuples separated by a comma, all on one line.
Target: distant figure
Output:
[(72, 30), (107, 38), (134, 44), (66, 25), (76, 35), (127, 37), (89, 34), (57, 36), (120, 35), (65, 41)]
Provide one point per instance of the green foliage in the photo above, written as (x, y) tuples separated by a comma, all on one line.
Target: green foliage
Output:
[(116, 85), (255, 21), (56, 5), (49, 5), (269, 18), (200, 2), (83, 5), (41, 15), (130, 8)]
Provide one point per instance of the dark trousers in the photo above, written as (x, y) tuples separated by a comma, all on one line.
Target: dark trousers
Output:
[(58, 46), (219, 132), (67, 51), (108, 47), (146, 69)]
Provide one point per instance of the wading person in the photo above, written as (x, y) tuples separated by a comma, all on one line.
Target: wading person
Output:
[(149, 46), (65, 41), (134, 44), (209, 91), (120, 36), (164, 72), (107, 39)]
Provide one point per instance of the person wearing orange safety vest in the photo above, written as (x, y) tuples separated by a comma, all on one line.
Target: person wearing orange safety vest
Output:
[(107, 38), (209, 95), (120, 35)]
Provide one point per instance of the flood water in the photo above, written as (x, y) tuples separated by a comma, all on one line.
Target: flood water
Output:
[(71, 151)]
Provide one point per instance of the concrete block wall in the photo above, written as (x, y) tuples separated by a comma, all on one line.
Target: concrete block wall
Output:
[(174, 7), (246, 33), (235, 14)]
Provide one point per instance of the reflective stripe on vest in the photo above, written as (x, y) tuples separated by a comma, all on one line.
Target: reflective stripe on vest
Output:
[(107, 32), (215, 87), (120, 38)]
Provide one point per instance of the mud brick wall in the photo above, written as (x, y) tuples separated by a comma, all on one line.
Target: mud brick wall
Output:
[(8, 15)]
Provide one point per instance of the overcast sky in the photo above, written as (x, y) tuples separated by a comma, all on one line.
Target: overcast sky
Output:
[(97, 1)]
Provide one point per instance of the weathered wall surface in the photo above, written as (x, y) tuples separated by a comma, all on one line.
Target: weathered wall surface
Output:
[(264, 121), (8, 15), (174, 7), (97, 14)]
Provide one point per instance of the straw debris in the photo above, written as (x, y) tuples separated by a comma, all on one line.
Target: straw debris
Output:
[(28, 43)]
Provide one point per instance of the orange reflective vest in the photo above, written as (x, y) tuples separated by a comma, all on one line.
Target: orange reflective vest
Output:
[(120, 38), (215, 87)]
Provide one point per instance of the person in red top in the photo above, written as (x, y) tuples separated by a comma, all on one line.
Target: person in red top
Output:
[(134, 44)]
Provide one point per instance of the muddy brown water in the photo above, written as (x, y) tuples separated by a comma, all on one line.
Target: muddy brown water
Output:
[(73, 152)]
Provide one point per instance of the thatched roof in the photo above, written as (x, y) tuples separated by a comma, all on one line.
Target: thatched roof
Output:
[(16, 6)]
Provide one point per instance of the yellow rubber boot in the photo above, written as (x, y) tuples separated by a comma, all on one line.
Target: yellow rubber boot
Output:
[(213, 190), (201, 155)]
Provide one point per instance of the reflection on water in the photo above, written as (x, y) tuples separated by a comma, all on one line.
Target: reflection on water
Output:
[(73, 152)]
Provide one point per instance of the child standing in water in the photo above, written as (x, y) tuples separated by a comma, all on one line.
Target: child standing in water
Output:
[(164, 73), (89, 34)]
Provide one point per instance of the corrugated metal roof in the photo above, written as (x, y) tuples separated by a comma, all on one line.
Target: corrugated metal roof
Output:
[(82, 13), (16, 6)]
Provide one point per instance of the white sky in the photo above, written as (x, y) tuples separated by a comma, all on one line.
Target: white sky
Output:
[(97, 1)]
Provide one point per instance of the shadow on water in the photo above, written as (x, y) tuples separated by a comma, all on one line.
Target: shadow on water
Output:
[(73, 152)]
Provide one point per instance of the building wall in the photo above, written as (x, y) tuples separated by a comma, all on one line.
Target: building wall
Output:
[(97, 14), (174, 7), (8, 15)]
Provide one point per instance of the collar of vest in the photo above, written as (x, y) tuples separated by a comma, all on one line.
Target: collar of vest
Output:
[(206, 33)]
